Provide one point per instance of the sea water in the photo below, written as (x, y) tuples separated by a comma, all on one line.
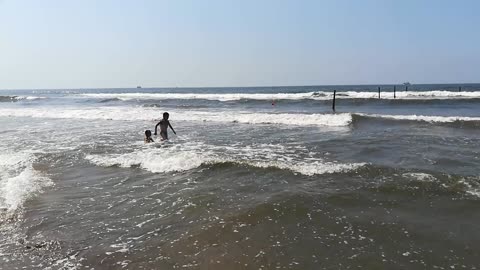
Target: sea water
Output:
[(256, 178)]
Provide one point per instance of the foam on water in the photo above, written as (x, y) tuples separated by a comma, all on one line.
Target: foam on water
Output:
[(140, 113), (421, 95), (154, 160), (288, 185), (19, 181), (425, 118), (310, 169), (180, 158), (219, 97), (474, 192), (30, 97), (472, 186), (320, 95), (422, 177), (149, 114)]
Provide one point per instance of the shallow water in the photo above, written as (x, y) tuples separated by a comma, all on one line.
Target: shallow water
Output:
[(381, 184)]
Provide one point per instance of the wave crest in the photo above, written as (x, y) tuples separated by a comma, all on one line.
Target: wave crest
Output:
[(19, 181), (290, 119), (147, 114), (424, 118), (163, 160), (317, 95)]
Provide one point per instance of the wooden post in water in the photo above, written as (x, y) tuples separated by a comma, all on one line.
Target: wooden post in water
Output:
[(379, 92), (394, 91), (406, 88), (333, 104), (459, 89)]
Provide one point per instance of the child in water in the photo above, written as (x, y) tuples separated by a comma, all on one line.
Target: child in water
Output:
[(164, 124), (148, 136)]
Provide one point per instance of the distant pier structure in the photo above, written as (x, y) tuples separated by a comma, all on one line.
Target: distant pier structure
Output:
[(407, 84), (379, 88)]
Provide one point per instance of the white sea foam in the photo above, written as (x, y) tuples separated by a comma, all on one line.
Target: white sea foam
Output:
[(420, 95), (219, 97), (19, 181), (148, 114), (153, 160), (30, 97), (437, 94), (140, 113), (183, 158), (27, 97), (472, 186), (422, 177), (425, 118), (312, 168), (474, 192), (320, 95)]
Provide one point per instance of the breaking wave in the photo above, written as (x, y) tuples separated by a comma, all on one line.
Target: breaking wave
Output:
[(219, 97), (186, 157), (295, 119), (139, 113), (19, 181), (424, 118), (187, 161), (320, 95)]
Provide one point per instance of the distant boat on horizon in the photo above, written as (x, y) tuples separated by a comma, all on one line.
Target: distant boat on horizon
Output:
[(407, 83), (139, 86)]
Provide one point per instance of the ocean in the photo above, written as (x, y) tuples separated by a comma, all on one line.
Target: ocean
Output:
[(255, 178)]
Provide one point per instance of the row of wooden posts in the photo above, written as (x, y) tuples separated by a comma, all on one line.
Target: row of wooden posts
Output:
[(394, 94)]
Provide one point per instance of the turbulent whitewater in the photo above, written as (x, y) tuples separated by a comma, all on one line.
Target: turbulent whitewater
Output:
[(255, 178)]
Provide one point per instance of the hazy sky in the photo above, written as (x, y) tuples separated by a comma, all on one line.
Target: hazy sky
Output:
[(113, 43)]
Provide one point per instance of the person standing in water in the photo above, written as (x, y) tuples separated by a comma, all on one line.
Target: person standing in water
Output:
[(164, 124)]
